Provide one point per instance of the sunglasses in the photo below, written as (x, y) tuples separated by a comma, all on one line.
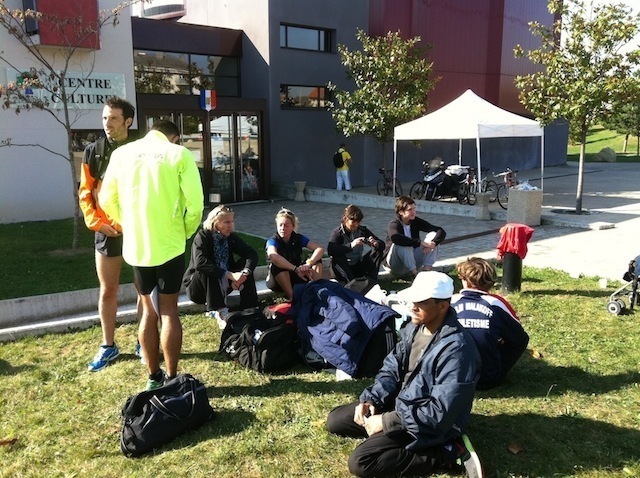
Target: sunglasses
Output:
[(223, 210), (285, 212)]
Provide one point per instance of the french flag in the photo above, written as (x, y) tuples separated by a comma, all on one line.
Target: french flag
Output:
[(208, 100)]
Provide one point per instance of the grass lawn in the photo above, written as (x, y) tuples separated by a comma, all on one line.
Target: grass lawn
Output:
[(570, 407), (599, 138), (41, 262)]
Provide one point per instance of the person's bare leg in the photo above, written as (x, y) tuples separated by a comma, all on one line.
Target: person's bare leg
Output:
[(171, 332), (108, 269), (284, 281), (148, 334)]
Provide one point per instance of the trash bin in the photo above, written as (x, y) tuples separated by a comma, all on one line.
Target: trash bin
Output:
[(525, 206), (512, 248)]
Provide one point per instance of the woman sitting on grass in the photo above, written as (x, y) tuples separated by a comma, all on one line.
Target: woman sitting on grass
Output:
[(284, 251), (213, 273), (347, 248)]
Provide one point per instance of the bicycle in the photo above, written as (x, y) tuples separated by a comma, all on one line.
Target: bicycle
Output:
[(509, 180), (486, 186), (386, 184)]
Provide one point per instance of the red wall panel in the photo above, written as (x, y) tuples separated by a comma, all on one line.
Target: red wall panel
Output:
[(472, 42), (69, 23)]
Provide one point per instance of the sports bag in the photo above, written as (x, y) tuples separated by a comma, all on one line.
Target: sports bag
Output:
[(262, 344), (155, 417), (338, 160)]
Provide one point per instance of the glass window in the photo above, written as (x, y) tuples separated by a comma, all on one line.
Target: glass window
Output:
[(305, 38), (292, 96), (181, 73), (161, 72)]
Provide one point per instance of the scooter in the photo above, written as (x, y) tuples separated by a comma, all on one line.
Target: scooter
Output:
[(439, 181)]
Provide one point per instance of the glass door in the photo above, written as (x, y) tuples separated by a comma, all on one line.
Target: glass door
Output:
[(249, 147), (223, 159)]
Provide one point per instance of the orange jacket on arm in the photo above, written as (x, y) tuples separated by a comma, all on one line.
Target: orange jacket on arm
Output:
[(94, 216)]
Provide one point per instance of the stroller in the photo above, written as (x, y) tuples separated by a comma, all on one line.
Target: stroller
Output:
[(616, 305)]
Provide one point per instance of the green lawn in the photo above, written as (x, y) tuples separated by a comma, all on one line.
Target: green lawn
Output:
[(599, 138), (571, 406), (41, 262)]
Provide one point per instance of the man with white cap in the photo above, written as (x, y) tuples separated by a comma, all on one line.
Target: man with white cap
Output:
[(414, 415)]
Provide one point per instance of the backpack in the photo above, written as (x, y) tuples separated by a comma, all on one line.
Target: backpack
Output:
[(382, 342), (155, 417), (262, 344), (338, 160)]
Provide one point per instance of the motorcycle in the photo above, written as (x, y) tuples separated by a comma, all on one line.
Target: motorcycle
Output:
[(440, 181)]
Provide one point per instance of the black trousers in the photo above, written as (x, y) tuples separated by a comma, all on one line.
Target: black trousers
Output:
[(369, 266), (381, 455), (204, 289)]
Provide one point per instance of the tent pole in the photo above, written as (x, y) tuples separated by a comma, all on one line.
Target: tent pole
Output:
[(460, 152), (479, 171), (395, 145), (542, 160)]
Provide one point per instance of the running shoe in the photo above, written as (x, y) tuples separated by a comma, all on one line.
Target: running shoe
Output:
[(105, 355)]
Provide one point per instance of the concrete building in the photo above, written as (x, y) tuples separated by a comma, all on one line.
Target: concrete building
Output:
[(268, 63)]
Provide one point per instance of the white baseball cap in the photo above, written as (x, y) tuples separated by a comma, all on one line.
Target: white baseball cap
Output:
[(428, 285)]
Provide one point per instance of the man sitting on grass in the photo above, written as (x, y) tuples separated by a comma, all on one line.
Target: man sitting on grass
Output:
[(414, 415)]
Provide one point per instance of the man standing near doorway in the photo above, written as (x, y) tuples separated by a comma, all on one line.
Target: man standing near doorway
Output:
[(117, 117), (152, 188), (342, 172)]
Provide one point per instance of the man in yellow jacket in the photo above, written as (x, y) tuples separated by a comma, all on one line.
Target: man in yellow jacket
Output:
[(152, 189), (342, 173)]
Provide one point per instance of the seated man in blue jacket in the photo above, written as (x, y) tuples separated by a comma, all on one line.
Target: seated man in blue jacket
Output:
[(414, 415)]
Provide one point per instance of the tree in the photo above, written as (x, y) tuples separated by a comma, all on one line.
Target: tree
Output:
[(32, 90), (625, 114), (392, 78), (583, 74)]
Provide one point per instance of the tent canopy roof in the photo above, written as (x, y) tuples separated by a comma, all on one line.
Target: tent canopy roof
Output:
[(468, 117)]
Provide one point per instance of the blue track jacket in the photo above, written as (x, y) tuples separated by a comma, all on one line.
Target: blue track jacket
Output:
[(435, 404)]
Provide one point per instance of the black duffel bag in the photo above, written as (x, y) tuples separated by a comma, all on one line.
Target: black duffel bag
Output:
[(262, 344), (155, 417)]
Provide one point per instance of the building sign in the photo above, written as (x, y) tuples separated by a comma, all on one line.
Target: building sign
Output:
[(84, 91)]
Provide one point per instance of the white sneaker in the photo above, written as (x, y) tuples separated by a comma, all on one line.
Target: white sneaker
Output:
[(221, 317)]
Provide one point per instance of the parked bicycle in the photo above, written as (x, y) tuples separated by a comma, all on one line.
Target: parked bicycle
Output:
[(509, 180), (387, 184), (486, 186)]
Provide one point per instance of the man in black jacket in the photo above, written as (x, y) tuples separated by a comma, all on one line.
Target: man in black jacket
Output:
[(406, 252)]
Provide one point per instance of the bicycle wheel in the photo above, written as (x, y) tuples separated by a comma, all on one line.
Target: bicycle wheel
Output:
[(380, 187), (503, 196), (463, 193), (397, 188), (417, 190), (472, 198), (490, 187)]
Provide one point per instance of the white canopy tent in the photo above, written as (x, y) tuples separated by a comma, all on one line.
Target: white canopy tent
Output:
[(468, 117)]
